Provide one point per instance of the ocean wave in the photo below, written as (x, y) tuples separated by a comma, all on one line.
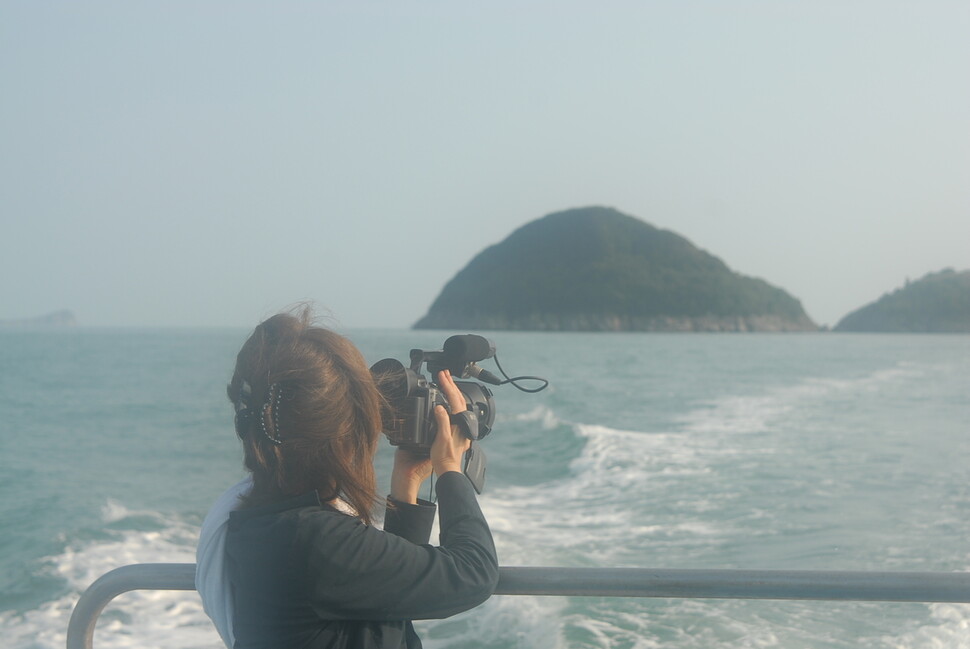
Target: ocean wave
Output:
[(611, 506), (542, 414), (500, 623), (949, 628), (171, 619), (766, 408)]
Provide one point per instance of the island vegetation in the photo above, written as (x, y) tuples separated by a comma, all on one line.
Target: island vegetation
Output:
[(936, 303), (597, 269)]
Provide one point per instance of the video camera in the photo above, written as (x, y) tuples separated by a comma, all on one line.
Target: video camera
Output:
[(411, 398)]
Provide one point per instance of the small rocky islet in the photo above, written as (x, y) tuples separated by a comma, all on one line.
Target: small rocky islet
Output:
[(597, 269)]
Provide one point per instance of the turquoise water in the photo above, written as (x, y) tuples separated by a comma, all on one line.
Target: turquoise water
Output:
[(669, 451)]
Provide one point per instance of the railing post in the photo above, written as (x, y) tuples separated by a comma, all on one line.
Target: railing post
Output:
[(143, 576)]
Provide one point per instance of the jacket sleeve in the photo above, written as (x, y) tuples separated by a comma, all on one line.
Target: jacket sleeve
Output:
[(357, 572), (411, 522)]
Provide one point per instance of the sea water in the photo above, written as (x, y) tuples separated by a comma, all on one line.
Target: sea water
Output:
[(753, 451)]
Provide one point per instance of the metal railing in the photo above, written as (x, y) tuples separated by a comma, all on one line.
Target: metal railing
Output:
[(597, 582)]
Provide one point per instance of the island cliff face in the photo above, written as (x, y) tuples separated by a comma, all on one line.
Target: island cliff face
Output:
[(596, 269), (936, 303)]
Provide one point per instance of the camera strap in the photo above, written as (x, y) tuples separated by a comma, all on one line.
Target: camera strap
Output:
[(467, 422)]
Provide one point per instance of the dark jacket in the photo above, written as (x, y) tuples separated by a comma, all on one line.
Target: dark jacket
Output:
[(305, 576)]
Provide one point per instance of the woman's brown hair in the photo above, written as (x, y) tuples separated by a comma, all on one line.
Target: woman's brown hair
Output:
[(308, 414)]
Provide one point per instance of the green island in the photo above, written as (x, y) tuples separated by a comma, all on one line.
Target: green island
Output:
[(597, 269), (936, 303)]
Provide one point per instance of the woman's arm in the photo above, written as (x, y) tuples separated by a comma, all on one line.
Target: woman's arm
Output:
[(360, 573), (357, 572)]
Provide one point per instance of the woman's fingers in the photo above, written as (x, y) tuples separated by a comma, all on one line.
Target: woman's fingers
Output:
[(456, 400), (449, 444), (442, 419)]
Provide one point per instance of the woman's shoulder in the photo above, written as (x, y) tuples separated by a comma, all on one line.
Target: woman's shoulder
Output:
[(306, 509)]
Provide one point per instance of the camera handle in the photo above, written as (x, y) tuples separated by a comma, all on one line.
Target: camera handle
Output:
[(467, 422)]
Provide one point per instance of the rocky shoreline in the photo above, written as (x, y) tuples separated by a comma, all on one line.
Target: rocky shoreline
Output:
[(613, 322)]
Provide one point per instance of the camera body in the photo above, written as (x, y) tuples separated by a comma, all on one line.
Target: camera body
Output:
[(410, 398)]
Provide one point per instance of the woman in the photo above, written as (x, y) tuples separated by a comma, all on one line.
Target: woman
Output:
[(303, 563)]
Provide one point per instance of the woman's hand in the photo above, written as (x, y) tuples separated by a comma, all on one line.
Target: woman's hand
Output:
[(410, 471), (449, 443)]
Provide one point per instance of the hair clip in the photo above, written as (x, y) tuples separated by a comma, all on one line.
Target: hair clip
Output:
[(268, 411)]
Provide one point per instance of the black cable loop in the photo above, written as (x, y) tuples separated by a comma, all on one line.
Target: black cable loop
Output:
[(542, 387)]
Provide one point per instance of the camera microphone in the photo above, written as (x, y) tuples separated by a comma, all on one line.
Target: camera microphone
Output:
[(468, 347), (475, 372)]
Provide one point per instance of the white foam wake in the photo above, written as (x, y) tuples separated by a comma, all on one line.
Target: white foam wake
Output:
[(950, 629), (142, 619), (542, 414), (634, 497)]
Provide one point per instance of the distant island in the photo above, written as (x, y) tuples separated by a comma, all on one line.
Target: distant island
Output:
[(936, 303), (62, 318), (597, 269)]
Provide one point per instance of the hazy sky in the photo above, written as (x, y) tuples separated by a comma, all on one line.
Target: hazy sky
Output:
[(208, 163)]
